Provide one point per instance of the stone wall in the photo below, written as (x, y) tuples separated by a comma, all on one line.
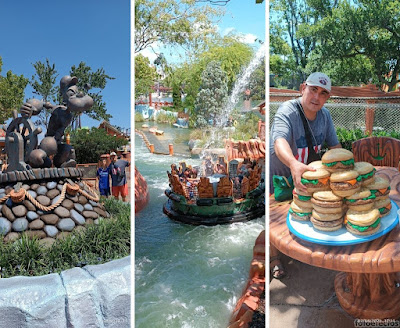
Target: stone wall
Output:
[(31, 213), (92, 296)]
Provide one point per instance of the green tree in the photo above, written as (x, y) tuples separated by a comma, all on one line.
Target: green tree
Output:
[(44, 85), (90, 144), (145, 75), (173, 22), (363, 31), (94, 80), (291, 21), (212, 95), (257, 83), (233, 56), (12, 93)]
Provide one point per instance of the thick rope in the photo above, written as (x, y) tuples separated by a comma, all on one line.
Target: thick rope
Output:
[(95, 198), (41, 207), (47, 208)]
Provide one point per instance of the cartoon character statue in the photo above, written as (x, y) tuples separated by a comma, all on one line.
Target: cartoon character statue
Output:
[(51, 149)]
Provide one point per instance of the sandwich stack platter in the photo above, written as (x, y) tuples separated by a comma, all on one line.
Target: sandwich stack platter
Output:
[(305, 230)]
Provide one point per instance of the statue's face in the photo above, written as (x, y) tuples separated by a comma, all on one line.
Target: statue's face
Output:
[(70, 92)]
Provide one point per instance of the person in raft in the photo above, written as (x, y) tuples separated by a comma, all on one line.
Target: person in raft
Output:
[(300, 128)]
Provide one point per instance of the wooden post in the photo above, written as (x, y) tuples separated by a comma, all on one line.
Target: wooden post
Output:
[(369, 117), (151, 148), (171, 149)]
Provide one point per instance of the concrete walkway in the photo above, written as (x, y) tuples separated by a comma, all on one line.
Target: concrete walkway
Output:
[(306, 298)]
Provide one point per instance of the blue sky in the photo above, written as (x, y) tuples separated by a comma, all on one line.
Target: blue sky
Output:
[(96, 32), (244, 17)]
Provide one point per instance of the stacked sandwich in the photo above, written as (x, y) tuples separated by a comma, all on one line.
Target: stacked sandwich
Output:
[(345, 192)]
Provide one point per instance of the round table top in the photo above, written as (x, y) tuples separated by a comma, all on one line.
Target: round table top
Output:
[(381, 255)]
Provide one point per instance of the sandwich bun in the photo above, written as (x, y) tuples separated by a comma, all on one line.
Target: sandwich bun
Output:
[(366, 172), (338, 159), (344, 183), (362, 223), (360, 201), (379, 187), (317, 180), (327, 202), (302, 199), (299, 213), (384, 206)]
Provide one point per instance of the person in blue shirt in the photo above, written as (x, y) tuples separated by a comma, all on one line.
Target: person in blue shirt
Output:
[(102, 175)]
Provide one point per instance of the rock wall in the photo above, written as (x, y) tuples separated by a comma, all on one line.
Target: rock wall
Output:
[(92, 296), (248, 302), (45, 189)]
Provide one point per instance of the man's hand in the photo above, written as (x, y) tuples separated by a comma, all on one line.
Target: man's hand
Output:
[(297, 169)]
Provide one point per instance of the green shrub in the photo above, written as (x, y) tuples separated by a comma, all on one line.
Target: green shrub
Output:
[(98, 243), (347, 137), (139, 117)]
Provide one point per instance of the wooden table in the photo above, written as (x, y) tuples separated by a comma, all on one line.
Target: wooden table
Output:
[(366, 286)]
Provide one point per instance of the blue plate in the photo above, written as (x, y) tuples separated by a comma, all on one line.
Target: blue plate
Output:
[(305, 230)]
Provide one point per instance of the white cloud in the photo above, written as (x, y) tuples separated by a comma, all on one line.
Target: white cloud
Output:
[(149, 53), (248, 38), (228, 30)]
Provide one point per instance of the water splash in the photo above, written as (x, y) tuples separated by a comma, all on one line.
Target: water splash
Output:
[(237, 91)]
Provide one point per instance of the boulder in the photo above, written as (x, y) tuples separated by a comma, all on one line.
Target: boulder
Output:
[(66, 224), (51, 230), (50, 219), (5, 226), (20, 224), (62, 212), (19, 210)]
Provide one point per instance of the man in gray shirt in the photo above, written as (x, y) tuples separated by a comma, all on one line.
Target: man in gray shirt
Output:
[(119, 183), (289, 153)]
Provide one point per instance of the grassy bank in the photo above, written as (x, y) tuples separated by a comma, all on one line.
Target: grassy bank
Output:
[(96, 244)]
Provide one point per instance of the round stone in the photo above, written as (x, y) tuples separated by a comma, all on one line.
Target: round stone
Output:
[(89, 221), (68, 204), (31, 215), (19, 210), (73, 198), (78, 207), (42, 190), (93, 203), (36, 224), (55, 199), (88, 207), (29, 205), (90, 214), (34, 186), (51, 230), (62, 212), (82, 200), (5, 226), (51, 185), (66, 224), (59, 187), (36, 233), (63, 234), (44, 200), (78, 218), (32, 193), (12, 236), (52, 193), (26, 187), (8, 213), (47, 242), (100, 212), (20, 224), (50, 218)]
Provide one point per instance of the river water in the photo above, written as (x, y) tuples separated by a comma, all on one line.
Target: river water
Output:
[(185, 276)]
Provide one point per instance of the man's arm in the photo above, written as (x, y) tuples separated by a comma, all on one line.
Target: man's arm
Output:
[(285, 155)]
